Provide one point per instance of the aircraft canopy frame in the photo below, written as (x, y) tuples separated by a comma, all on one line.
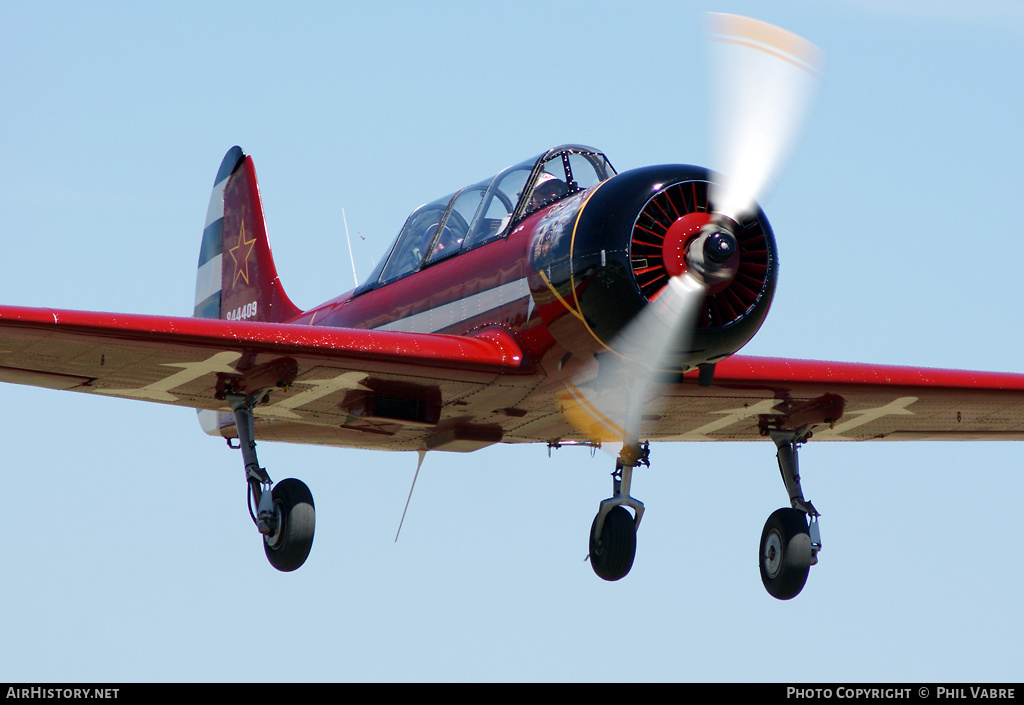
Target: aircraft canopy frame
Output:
[(486, 211)]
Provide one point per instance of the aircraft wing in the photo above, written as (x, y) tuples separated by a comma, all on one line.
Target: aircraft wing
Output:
[(385, 389), (376, 382), (840, 401)]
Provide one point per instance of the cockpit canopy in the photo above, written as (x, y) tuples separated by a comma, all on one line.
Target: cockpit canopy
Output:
[(485, 211)]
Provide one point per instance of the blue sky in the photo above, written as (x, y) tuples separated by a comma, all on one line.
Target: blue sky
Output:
[(127, 550)]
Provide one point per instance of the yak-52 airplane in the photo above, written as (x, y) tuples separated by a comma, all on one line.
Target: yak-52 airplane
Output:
[(556, 302)]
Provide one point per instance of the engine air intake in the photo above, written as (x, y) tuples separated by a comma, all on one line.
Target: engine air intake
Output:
[(654, 251)]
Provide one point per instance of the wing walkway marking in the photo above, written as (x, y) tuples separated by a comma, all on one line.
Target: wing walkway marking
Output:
[(283, 409), (897, 407), (159, 390), (731, 416), (321, 388), (893, 408)]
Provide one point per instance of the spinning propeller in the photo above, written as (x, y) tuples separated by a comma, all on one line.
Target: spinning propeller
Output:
[(762, 78)]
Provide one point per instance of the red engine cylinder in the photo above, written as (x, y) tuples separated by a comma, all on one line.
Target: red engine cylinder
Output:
[(598, 258)]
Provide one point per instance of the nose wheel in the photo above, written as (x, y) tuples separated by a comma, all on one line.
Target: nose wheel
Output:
[(613, 548), (613, 533)]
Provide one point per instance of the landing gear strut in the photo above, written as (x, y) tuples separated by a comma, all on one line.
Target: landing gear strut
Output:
[(613, 533), (285, 515), (789, 545)]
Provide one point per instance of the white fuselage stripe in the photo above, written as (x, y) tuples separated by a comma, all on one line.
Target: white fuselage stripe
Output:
[(446, 315)]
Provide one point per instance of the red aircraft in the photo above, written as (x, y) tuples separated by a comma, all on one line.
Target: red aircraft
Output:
[(557, 302)]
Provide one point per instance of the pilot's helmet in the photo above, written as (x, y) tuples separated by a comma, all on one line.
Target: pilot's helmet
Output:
[(548, 188)]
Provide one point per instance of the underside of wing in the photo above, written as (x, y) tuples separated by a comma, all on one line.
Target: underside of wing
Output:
[(406, 391), (315, 384), (837, 401)]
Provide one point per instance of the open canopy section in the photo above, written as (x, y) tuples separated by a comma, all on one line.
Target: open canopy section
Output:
[(484, 211)]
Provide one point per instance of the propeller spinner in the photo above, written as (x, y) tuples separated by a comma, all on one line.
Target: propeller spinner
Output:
[(763, 80)]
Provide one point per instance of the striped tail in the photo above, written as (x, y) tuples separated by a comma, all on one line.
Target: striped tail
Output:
[(237, 279)]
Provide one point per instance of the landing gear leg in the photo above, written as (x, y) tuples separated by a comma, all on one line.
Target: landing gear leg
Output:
[(285, 515), (789, 546), (613, 533)]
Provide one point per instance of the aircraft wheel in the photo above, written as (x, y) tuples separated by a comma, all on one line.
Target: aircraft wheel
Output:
[(785, 554), (611, 556), (288, 547)]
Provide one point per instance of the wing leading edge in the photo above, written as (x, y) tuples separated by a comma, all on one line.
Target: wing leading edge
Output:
[(376, 384), (396, 390), (841, 401)]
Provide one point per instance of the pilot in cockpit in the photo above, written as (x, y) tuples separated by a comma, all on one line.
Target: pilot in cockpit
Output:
[(549, 189), (448, 241)]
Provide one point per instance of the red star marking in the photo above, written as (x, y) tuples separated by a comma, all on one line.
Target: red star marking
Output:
[(241, 258)]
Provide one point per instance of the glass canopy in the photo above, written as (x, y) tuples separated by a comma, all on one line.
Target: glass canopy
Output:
[(484, 211)]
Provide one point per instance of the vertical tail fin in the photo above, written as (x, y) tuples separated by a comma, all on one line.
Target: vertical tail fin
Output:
[(237, 279)]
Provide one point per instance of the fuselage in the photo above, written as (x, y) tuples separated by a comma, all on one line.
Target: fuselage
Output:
[(558, 254)]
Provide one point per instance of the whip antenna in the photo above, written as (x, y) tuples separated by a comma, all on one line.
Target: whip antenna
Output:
[(422, 454), (351, 256)]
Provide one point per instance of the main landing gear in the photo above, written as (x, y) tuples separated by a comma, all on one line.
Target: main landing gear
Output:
[(285, 514), (613, 533), (789, 544), (790, 541)]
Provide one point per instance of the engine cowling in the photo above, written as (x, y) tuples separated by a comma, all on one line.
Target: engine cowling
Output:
[(598, 258)]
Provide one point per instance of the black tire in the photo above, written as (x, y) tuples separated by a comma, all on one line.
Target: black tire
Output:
[(611, 556), (785, 553), (288, 547)]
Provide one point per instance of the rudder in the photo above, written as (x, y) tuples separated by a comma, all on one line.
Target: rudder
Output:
[(237, 278)]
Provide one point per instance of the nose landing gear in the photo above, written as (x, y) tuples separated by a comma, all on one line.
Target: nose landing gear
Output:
[(790, 540), (613, 533)]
